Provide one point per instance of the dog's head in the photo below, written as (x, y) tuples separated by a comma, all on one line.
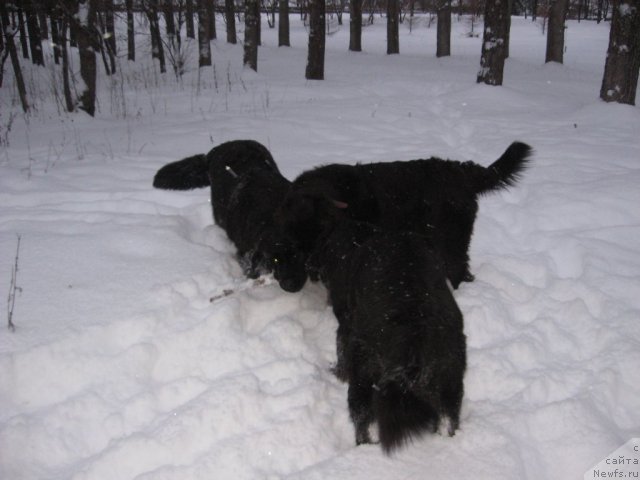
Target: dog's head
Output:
[(281, 256)]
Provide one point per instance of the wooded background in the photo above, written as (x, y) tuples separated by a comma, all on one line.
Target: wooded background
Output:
[(89, 29)]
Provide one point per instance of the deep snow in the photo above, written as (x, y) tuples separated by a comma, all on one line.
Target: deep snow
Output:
[(122, 367)]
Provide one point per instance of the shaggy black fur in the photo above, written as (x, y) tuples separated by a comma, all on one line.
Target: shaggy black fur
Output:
[(434, 197), (400, 338), (246, 189)]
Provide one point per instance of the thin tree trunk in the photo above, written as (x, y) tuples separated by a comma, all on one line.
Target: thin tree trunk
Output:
[(393, 38), (211, 15), (494, 43), (189, 18), (35, 41), (23, 34), (131, 42), (251, 34), (54, 15), (66, 84), (230, 16), (9, 33), (156, 38), (283, 27), (443, 47), (620, 80), (110, 37), (355, 26), (87, 47), (315, 61), (204, 47)]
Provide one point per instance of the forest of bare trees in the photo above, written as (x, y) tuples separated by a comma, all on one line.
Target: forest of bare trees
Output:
[(88, 29)]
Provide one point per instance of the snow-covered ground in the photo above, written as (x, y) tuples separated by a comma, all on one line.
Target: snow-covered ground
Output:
[(121, 366)]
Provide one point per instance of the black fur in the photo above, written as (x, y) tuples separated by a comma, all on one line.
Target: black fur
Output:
[(246, 189), (400, 338), (434, 197)]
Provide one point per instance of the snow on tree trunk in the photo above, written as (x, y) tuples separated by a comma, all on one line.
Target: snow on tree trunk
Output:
[(251, 34), (620, 80), (555, 31), (315, 60), (494, 42), (204, 48), (85, 21)]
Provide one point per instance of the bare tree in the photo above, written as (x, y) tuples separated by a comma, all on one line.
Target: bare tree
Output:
[(393, 37), (35, 38), (87, 46), (315, 59), (494, 42), (620, 80), (443, 44), (9, 33), (204, 47), (283, 27), (157, 50), (230, 17), (355, 25), (189, 18), (131, 43), (251, 33), (555, 30)]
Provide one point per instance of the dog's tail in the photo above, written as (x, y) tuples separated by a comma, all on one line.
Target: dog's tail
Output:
[(402, 416), (506, 170), (186, 174)]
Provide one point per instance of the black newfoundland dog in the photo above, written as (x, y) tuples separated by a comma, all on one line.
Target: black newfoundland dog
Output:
[(246, 189), (434, 197), (400, 338)]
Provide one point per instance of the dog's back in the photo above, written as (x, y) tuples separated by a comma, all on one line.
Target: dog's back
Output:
[(406, 340), (434, 197)]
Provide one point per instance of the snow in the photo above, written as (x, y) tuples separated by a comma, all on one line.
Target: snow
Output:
[(129, 361)]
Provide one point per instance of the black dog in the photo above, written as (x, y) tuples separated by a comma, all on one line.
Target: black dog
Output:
[(246, 189), (434, 197), (400, 338)]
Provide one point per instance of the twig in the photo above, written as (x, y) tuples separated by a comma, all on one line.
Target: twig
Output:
[(259, 282), (13, 288)]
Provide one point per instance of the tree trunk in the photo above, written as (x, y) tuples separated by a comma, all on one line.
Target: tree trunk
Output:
[(87, 47), (393, 38), (283, 26), (54, 15), (23, 34), (620, 80), (555, 31), (443, 48), (189, 19), (110, 37), (157, 50), (230, 16), (494, 42), (315, 59), (355, 25), (35, 41), (131, 42), (211, 16), (9, 33), (251, 34), (204, 47), (66, 84)]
